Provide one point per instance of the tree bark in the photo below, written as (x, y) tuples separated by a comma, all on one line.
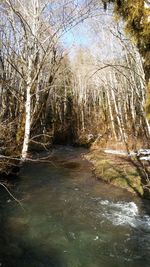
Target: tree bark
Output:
[(27, 123)]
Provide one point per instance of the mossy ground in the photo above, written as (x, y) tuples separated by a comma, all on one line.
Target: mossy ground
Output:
[(117, 170)]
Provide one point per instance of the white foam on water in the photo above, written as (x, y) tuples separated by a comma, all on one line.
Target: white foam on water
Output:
[(124, 213)]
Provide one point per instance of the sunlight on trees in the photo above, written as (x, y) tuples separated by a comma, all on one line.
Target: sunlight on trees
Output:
[(136, 15), (48, 97)]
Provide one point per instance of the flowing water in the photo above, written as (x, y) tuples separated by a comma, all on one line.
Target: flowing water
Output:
[(69, 219)]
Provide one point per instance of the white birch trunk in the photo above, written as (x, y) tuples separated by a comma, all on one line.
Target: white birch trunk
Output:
[(27, 123), (112, 80), (32, 55), (27, 112), (82, 118), (111, 115)]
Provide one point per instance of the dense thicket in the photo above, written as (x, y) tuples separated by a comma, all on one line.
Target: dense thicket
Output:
[(136, 15), (47, 98)]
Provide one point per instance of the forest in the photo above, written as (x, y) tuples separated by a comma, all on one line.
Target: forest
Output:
[(74, 133), (48, 96)]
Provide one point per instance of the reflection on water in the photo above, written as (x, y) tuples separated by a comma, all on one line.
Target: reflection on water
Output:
[(72, 220)]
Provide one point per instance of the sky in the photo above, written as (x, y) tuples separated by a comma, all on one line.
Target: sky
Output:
[(77, 36), (93, 34)]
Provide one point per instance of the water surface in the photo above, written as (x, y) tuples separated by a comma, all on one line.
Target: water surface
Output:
[(70, 219)]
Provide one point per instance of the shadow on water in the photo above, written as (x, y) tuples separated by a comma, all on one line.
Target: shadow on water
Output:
[(20, 249), (70, 219), (23, 255)]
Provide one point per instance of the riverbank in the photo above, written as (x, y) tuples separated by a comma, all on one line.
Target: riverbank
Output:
[(119, 170), (110, 165)]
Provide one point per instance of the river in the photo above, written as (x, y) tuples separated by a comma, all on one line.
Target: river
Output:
[(70, 219)]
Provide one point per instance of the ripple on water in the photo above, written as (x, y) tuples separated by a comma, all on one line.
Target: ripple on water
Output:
[(64, 225), (124, 213)]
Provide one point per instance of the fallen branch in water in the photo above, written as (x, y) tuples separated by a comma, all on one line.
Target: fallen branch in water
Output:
[(18, 201), (43, 159)]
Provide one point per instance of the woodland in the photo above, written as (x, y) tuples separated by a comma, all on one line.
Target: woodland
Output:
[(48, 97)]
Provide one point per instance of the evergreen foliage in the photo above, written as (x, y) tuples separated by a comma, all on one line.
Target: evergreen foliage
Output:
[(136, 15)]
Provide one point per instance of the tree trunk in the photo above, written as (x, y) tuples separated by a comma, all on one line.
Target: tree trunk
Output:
[(111, 115), (27, 123)]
